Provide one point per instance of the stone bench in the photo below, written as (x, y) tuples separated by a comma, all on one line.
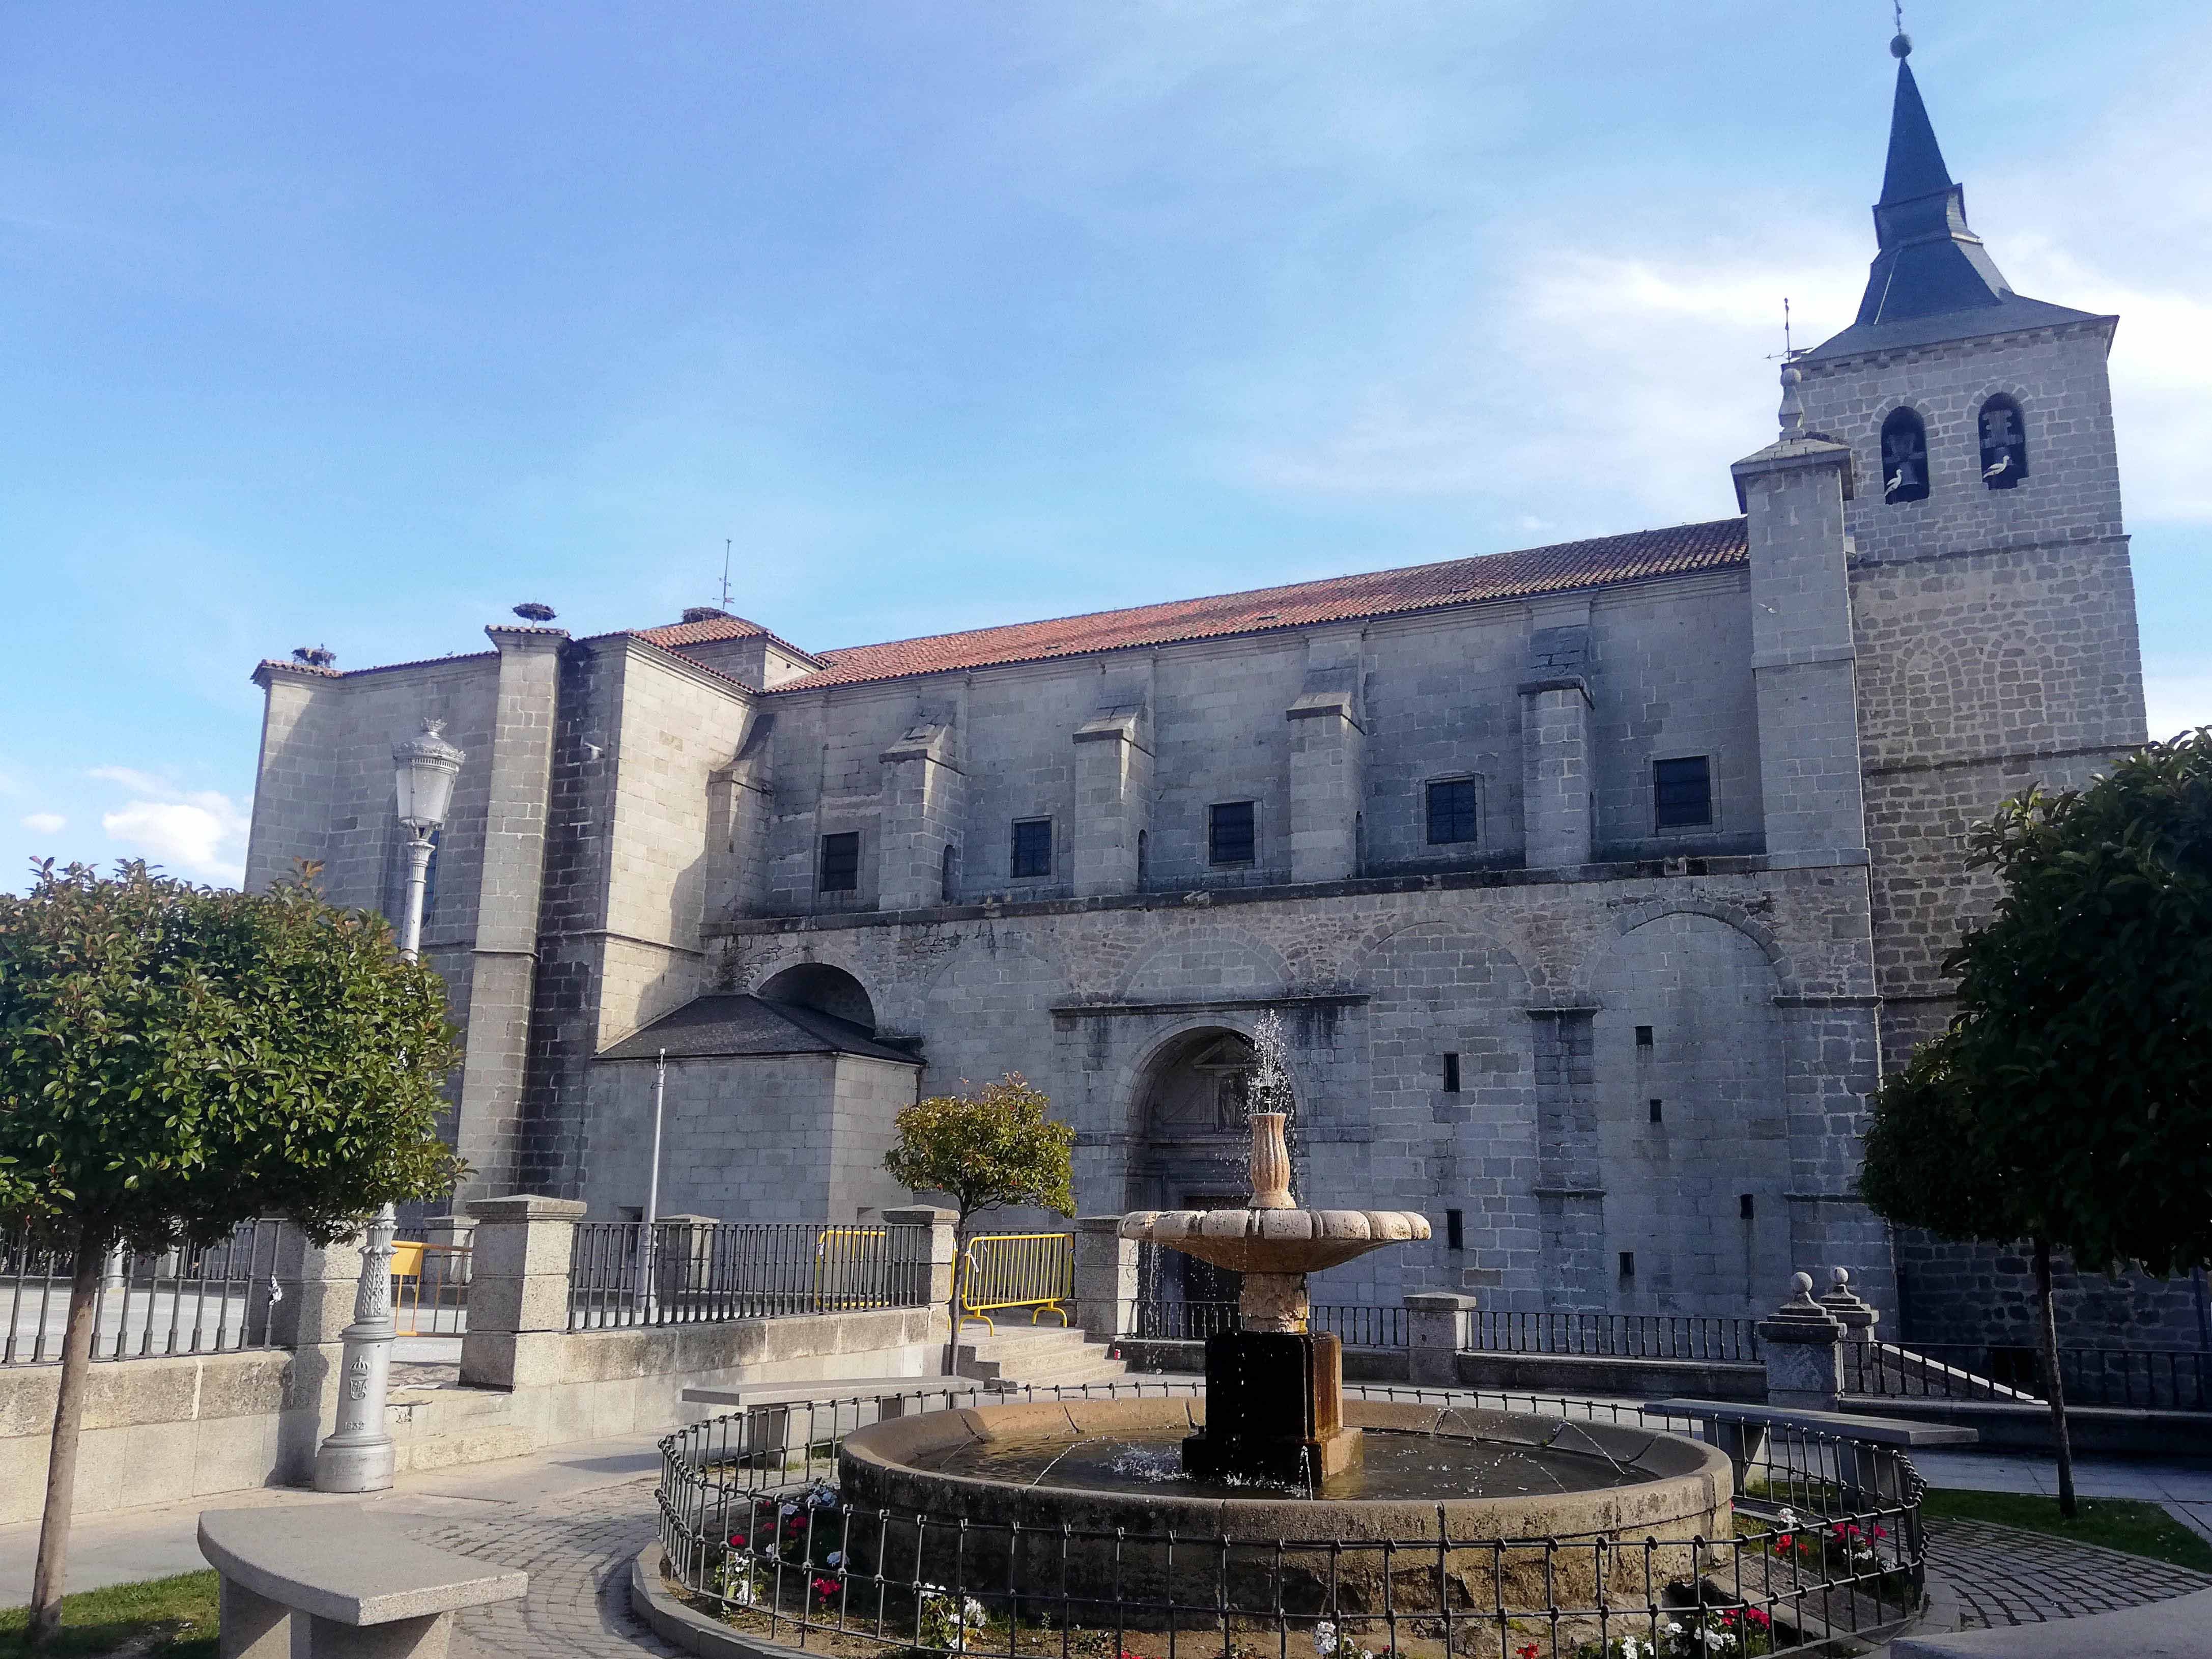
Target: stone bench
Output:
[(794, 1422), (339, 1583)]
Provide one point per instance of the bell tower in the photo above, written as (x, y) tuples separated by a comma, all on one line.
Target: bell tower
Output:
[(1993, 611)]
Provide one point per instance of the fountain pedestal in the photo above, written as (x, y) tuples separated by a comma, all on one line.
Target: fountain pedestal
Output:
[(1274, 1410)]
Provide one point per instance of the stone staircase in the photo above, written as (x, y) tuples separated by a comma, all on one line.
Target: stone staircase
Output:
[(1041, 1356)]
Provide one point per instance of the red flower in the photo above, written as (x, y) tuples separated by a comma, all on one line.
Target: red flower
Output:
[(1754, 1617), (825, 1588), (1527, 1652)]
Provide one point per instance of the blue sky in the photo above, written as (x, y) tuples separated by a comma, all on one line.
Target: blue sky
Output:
[(357, 325)]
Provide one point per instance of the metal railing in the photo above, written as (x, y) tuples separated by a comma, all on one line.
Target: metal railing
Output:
[(429, 1288), (1827, 1545), (196, 1298), (1005, 1272), (1616, 1336), (2154, 1379), (696, 1273)]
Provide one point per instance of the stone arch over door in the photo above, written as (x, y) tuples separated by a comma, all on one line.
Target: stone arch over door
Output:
[(1208, 960), (1191, 1146), (1694, 1215)]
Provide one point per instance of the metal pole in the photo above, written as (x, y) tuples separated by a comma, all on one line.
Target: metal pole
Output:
[(359, 1456), (418, 881), (645, 1244)]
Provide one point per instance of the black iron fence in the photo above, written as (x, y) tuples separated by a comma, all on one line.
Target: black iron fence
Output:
[(196, 1298), (622, 1274), (1825, 1546), (1616, 1336), (2155, 1379)]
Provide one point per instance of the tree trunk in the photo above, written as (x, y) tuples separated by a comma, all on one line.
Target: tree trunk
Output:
[(2054, 1388), (952, 1304), (69, 1422)]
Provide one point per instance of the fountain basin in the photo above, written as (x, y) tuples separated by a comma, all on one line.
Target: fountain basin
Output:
[(1320, 1554)]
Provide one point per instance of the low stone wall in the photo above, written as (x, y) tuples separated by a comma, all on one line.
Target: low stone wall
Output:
[(162, 1431)]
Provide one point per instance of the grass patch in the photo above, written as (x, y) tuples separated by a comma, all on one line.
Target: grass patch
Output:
[(2118, 1523), (160, 1617)]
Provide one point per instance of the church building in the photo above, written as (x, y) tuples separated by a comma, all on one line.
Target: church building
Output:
[(1595, 886)]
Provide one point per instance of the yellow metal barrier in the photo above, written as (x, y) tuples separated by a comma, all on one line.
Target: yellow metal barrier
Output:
[(846, 1260), (435, 1276), (999, 1272)]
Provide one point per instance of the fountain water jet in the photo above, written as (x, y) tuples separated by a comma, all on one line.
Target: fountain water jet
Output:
[(1256, 1429)]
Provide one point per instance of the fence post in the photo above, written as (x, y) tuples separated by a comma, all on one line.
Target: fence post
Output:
[(315, 1287), (1857, 1315), (450, 1233), (925, 1258), (1105, 1278), (1438, 1324), (682, 1247), (1803, 1343), (517, 1290)]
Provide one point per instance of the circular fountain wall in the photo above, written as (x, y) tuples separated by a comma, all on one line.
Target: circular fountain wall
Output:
[(1082, 1495)]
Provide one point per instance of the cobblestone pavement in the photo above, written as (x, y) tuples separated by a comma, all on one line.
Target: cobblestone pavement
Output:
[(2006, 1576), (577, 1550)]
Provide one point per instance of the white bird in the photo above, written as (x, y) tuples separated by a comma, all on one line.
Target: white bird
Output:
[(2002, 462), (1896, 482)]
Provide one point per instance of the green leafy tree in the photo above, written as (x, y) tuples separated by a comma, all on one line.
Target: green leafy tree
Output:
[(176, 1060), (994, 1146), (2069, 1102)]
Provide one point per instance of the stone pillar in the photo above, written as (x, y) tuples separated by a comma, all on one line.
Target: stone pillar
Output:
[(924, 801), (924, 1245), (519, 1289), (1803, 660), (1438, 1325), (1113, 801), (1803, 1343), (1105, 1278), (316, 1285), (1556, 755), (682, 1256), (1328, 776), (502, 973), (1858, 1316)]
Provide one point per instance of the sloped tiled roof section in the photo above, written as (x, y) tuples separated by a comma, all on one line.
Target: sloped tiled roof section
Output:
[(1680, 550), (713, 630)]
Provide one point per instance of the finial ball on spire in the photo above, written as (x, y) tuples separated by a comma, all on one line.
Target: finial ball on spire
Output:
[(1901, 47)]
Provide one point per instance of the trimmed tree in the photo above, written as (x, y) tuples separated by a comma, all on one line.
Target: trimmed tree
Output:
[(2069, 1102), (175, 1061), (990, 1147)]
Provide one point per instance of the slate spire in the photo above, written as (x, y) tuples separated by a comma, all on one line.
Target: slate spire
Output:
[(1929, 263)]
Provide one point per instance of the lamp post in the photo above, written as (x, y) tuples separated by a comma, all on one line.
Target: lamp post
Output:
[(359, 1456), (423, 769)]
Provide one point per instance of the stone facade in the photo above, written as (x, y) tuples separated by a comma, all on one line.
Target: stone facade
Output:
[(1596, 885)]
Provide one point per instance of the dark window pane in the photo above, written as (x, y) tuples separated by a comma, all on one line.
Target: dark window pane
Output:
[(2004, 444), (1903, 458), (1452, 815), (1032, 847), (1229, 833), (841, 862), (1452, 1074), (1682, 793)]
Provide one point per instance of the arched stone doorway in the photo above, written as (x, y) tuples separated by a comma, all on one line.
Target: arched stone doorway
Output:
[(1192, 1103), (825, 989)]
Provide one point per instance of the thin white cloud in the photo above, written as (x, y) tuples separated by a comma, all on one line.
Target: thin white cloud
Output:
[(45, 823), (200, 832)]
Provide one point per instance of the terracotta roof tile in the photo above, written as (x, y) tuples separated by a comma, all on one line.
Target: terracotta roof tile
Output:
[(1679, 550), (713, 630)]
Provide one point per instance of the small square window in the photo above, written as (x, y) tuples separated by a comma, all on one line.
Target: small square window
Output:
[(1628, 1264), (841, 862), (1455, 815), (1643, 1037), (1032, 847), (1658, 1111), (1452, 1074), (1454, 1229), (1230, 838), (1682, 793)]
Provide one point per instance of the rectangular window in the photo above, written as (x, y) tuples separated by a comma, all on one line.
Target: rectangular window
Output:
[(1230, 838), (841, 862), (1681, 793), (1454, 1229), (1032, 847), (1628, 1264), (1743, 1207), (1643, 1037), (1452, 1074), (1658, 1112), (1454, 816)]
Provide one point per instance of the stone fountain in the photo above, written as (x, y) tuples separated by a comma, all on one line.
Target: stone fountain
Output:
[(1257, 1428)]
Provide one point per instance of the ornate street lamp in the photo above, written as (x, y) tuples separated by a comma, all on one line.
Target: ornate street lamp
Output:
[(423, 769)]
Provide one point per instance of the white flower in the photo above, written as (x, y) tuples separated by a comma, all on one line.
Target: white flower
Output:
[(1324, 1639), (1628, 1648), (1674, 1627), (971, 1612), (1789, 1520), (788, 1508), (835, 1559)]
